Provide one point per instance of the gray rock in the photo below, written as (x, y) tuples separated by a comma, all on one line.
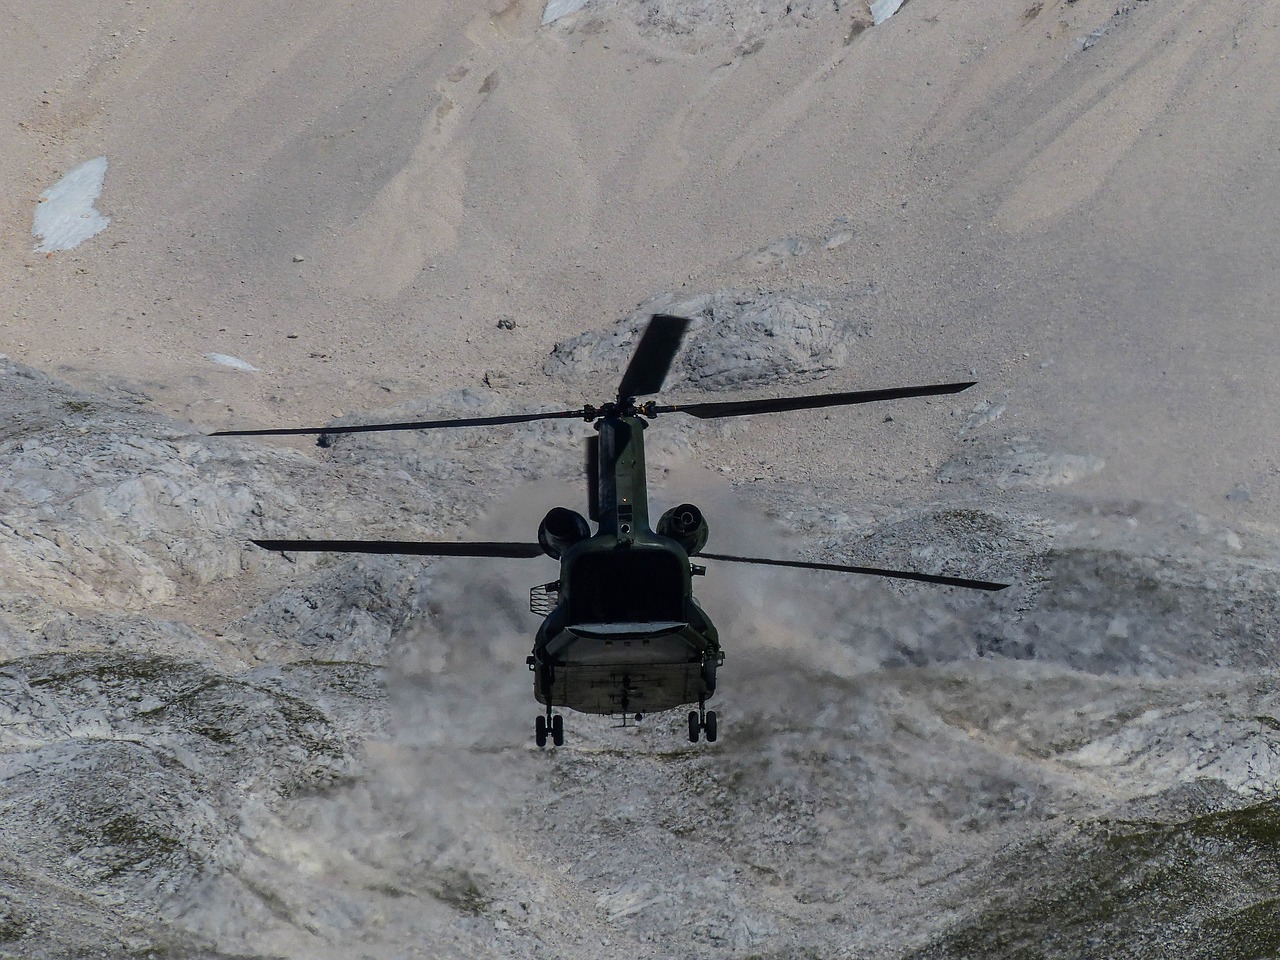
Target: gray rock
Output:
[(737, 340), (724, 20), (1240, 493), (1016, 461)]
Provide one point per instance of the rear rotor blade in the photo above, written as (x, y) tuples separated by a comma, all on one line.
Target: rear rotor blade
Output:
[(406, 425), (653, 355), (742, 408), (414, 548), (871, 571)]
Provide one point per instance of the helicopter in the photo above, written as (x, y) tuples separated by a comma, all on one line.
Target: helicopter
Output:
[(622, 633)]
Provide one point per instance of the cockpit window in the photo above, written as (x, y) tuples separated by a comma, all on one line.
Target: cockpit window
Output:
[(626, 586)]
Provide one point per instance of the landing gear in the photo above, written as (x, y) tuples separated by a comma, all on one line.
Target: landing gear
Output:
[(549, 725), (701, 721), (709, 675)]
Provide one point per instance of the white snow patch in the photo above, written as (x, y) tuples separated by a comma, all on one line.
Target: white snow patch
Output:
[(65, 216), (234, 362), (882, 10), (555, 9)]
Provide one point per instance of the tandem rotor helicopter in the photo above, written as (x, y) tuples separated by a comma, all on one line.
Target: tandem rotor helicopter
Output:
[(622, 632)]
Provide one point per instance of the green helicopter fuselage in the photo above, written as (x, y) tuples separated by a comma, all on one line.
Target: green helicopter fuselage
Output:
[(625, 634)]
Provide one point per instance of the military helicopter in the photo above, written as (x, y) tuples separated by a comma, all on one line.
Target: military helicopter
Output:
[(622, 633)]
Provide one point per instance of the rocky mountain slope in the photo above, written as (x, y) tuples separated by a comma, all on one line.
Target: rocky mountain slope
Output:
[(210, 751)]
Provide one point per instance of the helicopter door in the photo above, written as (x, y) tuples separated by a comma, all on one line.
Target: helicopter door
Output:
[(626, 586)]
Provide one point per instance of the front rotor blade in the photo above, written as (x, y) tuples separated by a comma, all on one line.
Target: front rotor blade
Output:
[(871, 571), (742, 408), (652, 358), (414, 548), (406, 425)]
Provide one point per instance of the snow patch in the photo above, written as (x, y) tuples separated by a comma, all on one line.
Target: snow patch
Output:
[(234, 362), (65, 216), (555, 9), (882, 10)]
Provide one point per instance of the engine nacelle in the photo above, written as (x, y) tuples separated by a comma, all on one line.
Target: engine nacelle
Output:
[(685, 525), (560, 529)]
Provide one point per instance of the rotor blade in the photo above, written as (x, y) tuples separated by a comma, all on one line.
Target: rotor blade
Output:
[(593, 476), (872, 571), (406, 425), (652, 358), (742, 408), (415, 548)]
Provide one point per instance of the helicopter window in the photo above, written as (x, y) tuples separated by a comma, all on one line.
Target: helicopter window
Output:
[(627, 586)]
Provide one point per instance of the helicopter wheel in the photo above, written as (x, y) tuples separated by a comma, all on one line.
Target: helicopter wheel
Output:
[(540, 731), (557, 730), (695, 726), (710, 726)]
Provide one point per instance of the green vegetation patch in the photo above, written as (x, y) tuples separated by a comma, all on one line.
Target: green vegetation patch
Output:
[(13, 924), (1198, 888), (123, 842), (1254, 932), (1257, 827), (460, 890), (64, 672)]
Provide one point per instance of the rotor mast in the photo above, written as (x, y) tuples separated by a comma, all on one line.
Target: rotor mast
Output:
[(622, 500), (622, 496)]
